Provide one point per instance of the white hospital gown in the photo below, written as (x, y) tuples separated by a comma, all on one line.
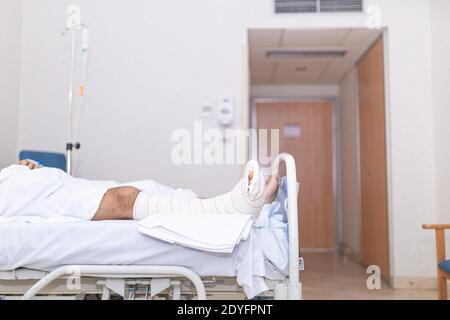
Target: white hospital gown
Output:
[(49, 192)]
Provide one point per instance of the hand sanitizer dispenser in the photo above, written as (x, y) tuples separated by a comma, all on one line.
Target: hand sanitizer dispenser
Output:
[(225, 112)]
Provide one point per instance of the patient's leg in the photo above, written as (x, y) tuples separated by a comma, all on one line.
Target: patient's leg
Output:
[(117, 204), (247, 197)]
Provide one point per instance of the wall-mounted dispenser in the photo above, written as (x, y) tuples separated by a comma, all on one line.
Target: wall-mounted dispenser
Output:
[(225, 112)]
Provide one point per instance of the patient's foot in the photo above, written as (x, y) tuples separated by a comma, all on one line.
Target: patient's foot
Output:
[(253, 181), (251, 174), (257, 186), (272, 188)]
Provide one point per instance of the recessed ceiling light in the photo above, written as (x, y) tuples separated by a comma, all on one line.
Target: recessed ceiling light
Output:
[(302, 54)]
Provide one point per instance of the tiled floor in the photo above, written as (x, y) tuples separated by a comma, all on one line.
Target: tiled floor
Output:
[(329, 276)]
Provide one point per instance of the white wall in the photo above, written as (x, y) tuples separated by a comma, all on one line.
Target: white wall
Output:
[(441, 102), (410, 125), (440, 46), (154, 65), (10, 11), (351, 213), (147, 76)]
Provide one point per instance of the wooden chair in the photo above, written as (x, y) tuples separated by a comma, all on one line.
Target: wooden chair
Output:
[(443, 265)]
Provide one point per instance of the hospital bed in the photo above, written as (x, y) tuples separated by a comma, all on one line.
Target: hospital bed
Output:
[(151, 269)]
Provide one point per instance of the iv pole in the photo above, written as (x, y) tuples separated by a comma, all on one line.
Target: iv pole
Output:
[(75, 26)]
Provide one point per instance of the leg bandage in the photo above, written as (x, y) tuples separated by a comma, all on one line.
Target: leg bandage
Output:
[(247, 197)]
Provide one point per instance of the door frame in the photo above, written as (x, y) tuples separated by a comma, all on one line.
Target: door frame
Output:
[(336, 149), (250, 123), (389, 149)]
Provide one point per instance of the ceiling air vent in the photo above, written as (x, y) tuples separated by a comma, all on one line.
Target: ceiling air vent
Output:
[(341, 5), (311, 6), (295, 6)]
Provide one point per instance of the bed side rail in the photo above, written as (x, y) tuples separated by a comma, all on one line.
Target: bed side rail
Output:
[(293, 285), (123, 271)]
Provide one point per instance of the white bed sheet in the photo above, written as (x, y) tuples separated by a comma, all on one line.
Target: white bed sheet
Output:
[(46, 246)]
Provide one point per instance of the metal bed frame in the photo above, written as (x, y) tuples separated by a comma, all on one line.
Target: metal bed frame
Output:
[(147, 281)]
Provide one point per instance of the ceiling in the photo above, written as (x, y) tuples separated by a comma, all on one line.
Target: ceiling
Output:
[(306, 70)]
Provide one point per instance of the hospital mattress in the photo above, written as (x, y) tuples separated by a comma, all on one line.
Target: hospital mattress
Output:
[(46, 246)]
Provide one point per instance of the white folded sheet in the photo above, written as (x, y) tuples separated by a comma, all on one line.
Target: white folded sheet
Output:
[(206, 232)]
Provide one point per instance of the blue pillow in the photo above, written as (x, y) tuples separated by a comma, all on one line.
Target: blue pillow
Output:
[(46, 159)]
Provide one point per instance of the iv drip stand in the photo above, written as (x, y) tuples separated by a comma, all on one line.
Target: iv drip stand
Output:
[(70, 145)]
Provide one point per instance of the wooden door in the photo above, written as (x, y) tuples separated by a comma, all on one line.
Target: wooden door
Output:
[(306, 132), (374, 203)]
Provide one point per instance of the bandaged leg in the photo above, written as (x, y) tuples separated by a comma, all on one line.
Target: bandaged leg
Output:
[(247, 197)]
